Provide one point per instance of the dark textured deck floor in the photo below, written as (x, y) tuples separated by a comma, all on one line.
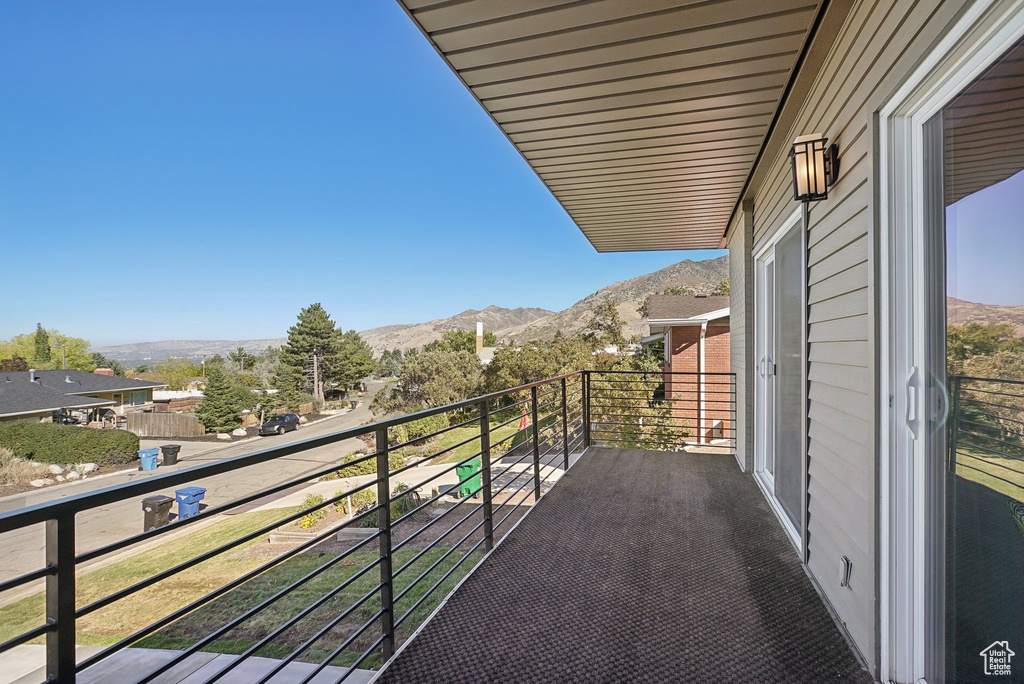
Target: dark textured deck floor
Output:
[(637, 566)]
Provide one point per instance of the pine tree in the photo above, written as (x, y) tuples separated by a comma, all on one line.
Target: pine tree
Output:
[(221, 402), (354, 361), (42, 344), (313, 349)]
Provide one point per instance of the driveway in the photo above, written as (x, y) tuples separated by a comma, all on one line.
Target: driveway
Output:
[(24, 549)]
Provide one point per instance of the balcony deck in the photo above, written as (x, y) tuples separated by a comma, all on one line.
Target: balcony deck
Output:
[(637, 566)]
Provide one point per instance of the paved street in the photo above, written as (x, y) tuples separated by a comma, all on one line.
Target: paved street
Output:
[(23, 551)]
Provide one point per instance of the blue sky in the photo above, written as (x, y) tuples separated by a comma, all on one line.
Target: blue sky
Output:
[(984, 241), (205, 169)]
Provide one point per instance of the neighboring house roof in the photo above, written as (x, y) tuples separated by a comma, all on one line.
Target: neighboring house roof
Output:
[(680, 307), (81, 382), (19, 397)]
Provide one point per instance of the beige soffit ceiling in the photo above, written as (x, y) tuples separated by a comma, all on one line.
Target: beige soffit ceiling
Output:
[(643, 117)]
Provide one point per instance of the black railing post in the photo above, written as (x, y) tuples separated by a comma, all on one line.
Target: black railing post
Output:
[(387, 602), (565, 426), (536, 446), (954, 423), (485, 470), (586, 409), (60, 598)]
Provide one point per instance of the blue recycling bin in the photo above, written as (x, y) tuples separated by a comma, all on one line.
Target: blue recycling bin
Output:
[(147, 459), (188, 499)]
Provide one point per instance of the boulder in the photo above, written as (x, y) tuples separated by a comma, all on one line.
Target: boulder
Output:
[(239, 432), (84, 468), (303, 420), (55, 469), (60, 478), (41, 483), (73, 475), (224, 436)]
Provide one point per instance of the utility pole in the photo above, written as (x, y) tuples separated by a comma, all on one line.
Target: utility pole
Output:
[(64, 356)]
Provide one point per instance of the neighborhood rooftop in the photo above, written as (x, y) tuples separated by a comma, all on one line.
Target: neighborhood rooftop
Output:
[(681, 307), (56, 389)]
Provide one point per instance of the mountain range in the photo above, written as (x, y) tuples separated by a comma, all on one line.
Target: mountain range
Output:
[(521, 324), (960, 311)]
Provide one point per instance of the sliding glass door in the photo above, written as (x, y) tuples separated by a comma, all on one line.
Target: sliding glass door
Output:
[(973, 375), (779, 382)]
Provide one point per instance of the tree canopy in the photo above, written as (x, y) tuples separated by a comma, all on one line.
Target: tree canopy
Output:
[(429, 379), (605, 325), (461, 340), (223, 401), (54, 347), (318, 353)]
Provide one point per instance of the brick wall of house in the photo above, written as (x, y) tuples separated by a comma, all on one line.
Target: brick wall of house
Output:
[(683, 356)]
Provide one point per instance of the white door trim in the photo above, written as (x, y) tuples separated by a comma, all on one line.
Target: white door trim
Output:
[(765, 480), (986, 30)]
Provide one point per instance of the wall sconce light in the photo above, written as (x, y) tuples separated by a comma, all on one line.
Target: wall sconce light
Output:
[(815, 167)]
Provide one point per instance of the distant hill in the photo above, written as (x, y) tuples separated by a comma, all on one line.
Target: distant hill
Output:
[(495, 319), (185, 349), (702, 276), (508, 324), (960, 311)]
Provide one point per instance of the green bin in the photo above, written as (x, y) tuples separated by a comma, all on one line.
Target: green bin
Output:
[(471, 486)]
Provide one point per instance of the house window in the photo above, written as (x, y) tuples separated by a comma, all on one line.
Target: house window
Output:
[(137, 398)]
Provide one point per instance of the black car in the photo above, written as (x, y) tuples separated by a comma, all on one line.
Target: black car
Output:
[(280, 424)]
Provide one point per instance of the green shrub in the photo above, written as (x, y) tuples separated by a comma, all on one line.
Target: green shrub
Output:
[(425, 426), (313, 517), (369, 466), (60, 444), (361, 500)]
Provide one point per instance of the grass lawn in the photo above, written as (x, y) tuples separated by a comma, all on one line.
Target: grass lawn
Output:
[(983, 473), (114, 622)]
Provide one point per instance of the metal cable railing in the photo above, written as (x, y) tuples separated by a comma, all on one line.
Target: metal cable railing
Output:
[(663, 411), (350, 604), (986, 432)]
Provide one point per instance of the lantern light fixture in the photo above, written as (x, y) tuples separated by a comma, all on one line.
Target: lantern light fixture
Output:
[(815, 167)]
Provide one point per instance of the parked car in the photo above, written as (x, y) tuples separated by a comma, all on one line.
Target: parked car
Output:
[(280, 424)]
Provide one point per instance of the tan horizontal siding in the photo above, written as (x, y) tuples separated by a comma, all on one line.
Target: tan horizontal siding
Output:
[(880, 41)]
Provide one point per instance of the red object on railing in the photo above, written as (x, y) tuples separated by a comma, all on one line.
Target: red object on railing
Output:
[(524, 421)]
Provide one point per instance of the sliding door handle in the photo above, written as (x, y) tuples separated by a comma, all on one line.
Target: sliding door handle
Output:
[(913, 414)]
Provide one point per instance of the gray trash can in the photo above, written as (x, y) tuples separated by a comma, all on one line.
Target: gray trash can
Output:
[(156, 511), (170, 452)]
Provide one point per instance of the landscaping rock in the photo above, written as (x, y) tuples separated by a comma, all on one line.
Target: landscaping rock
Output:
[(84, 468), (239, 432), (73, 475), (55, 469), (60, 478), (41, 483), (303, 420), (223, 435)]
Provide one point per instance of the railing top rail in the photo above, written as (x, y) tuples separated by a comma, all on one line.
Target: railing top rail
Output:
[(971, 377), (49, 510), (659, 372)]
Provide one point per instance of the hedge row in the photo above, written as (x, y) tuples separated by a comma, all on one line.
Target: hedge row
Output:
[(62, 444)]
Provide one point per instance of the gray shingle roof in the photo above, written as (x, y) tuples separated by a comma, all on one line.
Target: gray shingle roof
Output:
[(81, 382), (29, 397), (675, 307), (56, 389)]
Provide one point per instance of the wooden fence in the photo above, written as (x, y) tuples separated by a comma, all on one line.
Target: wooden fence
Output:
[(177, 404), (165, 425)]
